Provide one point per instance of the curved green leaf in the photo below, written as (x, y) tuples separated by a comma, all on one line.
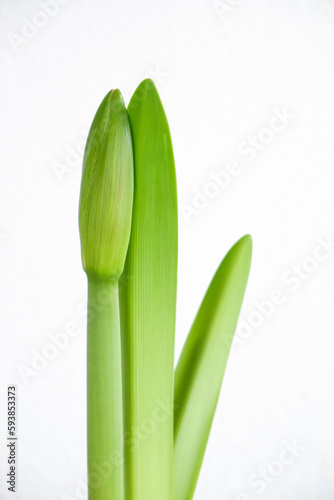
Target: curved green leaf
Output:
[(200, 370)]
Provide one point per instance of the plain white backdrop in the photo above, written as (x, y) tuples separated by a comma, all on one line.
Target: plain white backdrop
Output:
[(224, 69)]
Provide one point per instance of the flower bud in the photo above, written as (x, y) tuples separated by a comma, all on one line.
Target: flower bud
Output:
[(106, 196)]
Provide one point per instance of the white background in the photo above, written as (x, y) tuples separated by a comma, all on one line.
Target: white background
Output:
[(222, 70)]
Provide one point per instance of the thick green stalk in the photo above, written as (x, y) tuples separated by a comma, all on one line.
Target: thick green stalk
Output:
[(148, 304), (104, 392), (105, 214), (200, 370)]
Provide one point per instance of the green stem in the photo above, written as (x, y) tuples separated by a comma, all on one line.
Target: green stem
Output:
[(104, 392)]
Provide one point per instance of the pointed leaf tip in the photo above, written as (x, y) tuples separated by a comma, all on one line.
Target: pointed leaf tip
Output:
[(200, 370)]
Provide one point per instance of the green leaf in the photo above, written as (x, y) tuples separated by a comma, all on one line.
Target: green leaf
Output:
[(148, 304), (200, 370)]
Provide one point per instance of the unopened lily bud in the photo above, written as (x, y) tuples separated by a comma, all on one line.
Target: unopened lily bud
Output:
[(106, 197)]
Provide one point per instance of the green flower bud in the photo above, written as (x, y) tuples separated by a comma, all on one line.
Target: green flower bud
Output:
[(106, 196)]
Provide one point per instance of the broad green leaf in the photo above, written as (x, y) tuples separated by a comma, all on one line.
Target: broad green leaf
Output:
[(148, 304), (200, 370)]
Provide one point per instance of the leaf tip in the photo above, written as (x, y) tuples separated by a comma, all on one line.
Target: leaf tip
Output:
[(246, 241)]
